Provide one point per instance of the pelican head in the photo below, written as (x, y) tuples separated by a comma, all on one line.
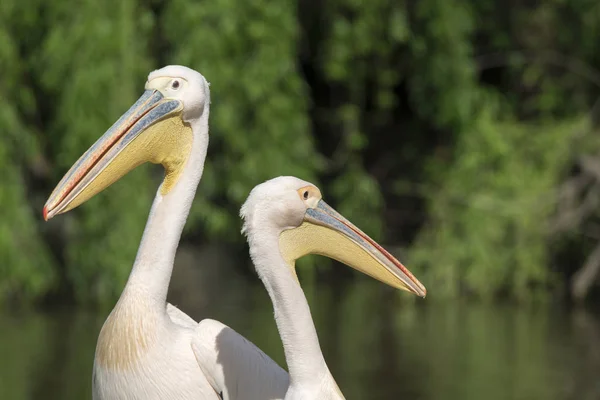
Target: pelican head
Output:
[(157, 129), (305, 224)]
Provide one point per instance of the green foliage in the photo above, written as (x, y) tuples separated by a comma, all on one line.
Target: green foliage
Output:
[(110, 41), (26, 269), (358, 97), (443, 80), (488, 225), (259, 124)]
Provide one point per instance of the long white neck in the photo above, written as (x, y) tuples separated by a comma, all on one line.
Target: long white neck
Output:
[(292, 314), (153, 265)]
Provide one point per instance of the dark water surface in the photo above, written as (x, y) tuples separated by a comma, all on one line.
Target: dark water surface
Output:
[(378, 345)]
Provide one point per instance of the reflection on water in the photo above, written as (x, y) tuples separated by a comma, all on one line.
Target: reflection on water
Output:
[(377, 346)]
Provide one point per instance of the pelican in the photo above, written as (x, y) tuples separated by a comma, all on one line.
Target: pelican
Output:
[(284, 219), (148, 349)]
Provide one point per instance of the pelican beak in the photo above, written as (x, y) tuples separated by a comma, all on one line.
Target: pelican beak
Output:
[(117, 152), (326, 232)]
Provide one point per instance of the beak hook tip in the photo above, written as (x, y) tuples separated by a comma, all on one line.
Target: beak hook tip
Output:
[(45, 213)]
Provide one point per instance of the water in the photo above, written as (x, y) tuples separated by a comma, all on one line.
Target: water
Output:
[(378, 345)]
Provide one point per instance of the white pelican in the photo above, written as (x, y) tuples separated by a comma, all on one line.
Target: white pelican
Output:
[(285, 219), (148, 349)]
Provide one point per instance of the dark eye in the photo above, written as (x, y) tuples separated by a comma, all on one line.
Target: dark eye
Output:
[(305, 195), (175, 85)]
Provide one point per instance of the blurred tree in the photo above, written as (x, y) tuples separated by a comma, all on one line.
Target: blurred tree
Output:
[(26, 268), (259, 126), (93, 62), (448, 127)]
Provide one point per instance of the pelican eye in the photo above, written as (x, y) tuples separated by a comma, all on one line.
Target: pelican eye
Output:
[(175, 85), (310, 195)]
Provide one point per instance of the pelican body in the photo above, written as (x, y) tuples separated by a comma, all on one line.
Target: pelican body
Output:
[(148, 349), (284, 219)]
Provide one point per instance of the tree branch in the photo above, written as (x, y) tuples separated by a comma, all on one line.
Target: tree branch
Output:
[(585, 277)]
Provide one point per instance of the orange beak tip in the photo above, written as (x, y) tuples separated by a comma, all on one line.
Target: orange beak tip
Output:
[(45, 213)]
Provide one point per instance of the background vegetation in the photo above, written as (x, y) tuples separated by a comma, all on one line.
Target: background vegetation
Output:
[(462, 134)]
